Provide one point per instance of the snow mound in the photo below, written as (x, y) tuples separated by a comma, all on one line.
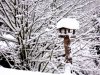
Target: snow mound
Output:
[(70, 23), (5, 71)]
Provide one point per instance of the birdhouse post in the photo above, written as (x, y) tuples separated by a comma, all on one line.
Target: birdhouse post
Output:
[(66, 28)]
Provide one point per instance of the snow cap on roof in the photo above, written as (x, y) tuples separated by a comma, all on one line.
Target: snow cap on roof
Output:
[(70, 23)]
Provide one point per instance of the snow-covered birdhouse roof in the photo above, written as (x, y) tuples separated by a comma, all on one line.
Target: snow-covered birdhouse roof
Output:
[(70, 23)]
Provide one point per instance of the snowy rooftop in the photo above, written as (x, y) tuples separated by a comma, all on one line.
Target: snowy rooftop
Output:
[(70, 23)]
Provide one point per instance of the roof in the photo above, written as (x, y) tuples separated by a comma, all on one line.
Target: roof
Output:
[(70, 23)]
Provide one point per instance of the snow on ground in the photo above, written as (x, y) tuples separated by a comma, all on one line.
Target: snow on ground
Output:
[(5, 71), (3, 44), (8, 36)]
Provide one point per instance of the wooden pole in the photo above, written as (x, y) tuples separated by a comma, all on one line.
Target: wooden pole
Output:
[(67, 49)]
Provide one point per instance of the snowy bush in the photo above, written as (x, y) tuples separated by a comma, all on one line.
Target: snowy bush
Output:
[(34, 44)]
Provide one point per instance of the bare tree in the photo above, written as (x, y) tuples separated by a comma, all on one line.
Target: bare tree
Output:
[(32, 23)]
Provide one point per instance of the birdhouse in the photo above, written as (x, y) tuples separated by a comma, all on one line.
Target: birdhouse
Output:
[(67, 26)]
